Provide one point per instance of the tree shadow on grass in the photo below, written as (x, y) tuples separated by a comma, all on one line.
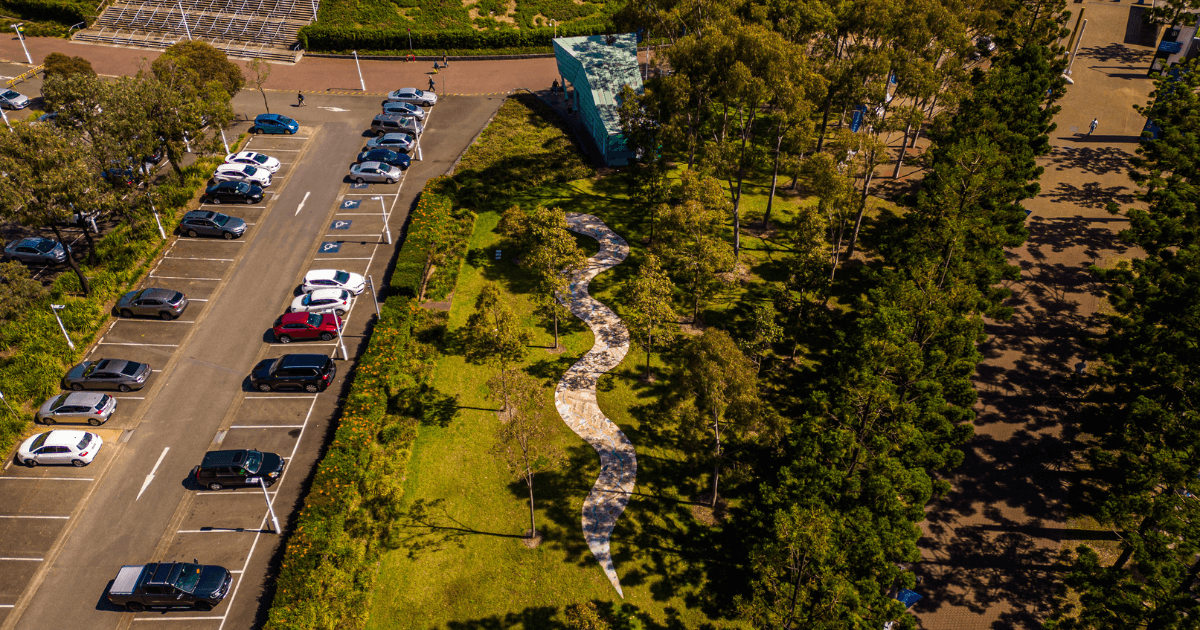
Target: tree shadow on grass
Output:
[(623, 616), (428, 527)]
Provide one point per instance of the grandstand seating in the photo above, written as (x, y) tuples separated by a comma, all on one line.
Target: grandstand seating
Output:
[(264, 29)]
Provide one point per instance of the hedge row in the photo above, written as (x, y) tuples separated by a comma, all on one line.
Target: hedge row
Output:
[(35, 355), (433, 220), (349, 515), (49, 10), (336, 38)]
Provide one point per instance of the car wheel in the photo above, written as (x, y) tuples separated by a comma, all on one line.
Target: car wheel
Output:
[(77, 387), (310, 388), (391, 181), (31, 463), (326, 336), (166, 316), (263, 387), (250, 201), (135, 607), (94, 422), (48, 421), (78, 463), (255, 130), (216, 201), (341, 312), (427, 104), (214, 486), (124, 388), (203, 606), (126, 313), (228, 236), (192, 233), (360, 181), (285, 339), (379, 132)]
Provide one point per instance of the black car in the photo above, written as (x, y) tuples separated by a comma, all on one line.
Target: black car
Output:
[(169, 585), (165, 303), (244, 467), (386, 156), (310, 372), (205, 223), (233, 192)]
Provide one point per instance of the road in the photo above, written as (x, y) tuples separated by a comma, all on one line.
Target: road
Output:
[(65, 532)]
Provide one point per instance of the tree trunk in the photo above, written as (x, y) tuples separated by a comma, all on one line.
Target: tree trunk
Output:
[(903, 148), (717, 465), (862, 208), (91, 244), (83, 281), (532, 528), (555, 309), (824, 123), (264, 95), (774, 177), (173, 156), (1146, 524), (696, 296), (425, 278)]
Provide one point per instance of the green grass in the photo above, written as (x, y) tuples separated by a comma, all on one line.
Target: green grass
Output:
[(431, 15)]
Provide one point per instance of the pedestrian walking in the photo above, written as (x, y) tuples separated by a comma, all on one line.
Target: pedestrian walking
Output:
[(299, 99), (431, 85), (554, 87), (1095, 123), (444, 64), (435, 67)]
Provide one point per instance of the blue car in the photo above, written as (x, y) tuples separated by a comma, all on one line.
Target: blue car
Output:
[(274, 123), (36, 250), (387, 156)]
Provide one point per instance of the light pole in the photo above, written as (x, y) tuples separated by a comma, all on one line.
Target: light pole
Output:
[(410, 40), (10, 409), (21, 36), (555, 25), (56, 308), (183, 14), (1067, 74), (337, 321), (387, 232), (224, 141), (271, 510), (155, 211), (360, 79), (374, 295)]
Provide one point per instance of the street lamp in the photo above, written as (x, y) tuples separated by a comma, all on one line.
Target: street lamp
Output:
[(360, 79), (274, 521), (374, 295), (56, 308), (337, 321), (10, 409), (555, 25), (155, 211), (20, 35), (387, 232)]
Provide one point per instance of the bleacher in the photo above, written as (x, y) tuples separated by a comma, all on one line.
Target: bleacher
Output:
[(264, 29)]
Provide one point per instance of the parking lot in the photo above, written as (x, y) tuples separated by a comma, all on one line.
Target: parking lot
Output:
[(66, 530)]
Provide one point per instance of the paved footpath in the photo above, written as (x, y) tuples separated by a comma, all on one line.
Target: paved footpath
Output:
[(575, 396)]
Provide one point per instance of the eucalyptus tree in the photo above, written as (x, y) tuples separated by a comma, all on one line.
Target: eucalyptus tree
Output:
[(651, 317), (555, 259), (691, 243)]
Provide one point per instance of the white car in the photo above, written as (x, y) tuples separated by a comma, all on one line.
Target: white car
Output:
[(12, 99), (364, 172), (414, 96), (322, 300), (242, 173), (333, 279), (404, 109), (60, 447), (258, 160)]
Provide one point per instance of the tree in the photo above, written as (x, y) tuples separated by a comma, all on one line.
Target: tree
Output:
[(525, 441), (650, 316), (58, 64), (262, 72), (202, 64), (18, 291), (493, 336), (764, 332), (690, 244), (177, 110), (554, 259), (723, 393)]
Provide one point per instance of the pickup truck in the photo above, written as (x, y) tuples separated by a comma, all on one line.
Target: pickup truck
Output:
[(169, 584)]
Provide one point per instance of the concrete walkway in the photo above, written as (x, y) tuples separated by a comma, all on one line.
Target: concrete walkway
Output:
[(575, 396)]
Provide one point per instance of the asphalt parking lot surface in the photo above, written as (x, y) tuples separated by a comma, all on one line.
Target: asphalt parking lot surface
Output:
[(65, 531)]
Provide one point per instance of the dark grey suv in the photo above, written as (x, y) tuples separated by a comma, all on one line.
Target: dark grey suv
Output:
[(310, 372), (244, 467), (107, 374), (204, 223), (165, 303)]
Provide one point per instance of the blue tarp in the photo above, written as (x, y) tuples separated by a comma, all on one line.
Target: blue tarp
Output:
[(907, 597)]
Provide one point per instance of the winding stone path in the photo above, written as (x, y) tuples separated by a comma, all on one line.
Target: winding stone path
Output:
[(575, 396)]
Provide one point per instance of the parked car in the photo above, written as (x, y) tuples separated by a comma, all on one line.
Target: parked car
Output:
[(336, 300), (91, 407), (12, 99), (36, 250), (310, 372), (374, 172), (165, 303), (393, 141), (300, 326), (234, 192), (243, 467), (119, 176), (333, 279), (387, 156), (242, 173), (170, 585), (257, 160), (405, 109), (392, 123), (207, 223), (60, 447), (414, 96), (274, 123), (116, 374)]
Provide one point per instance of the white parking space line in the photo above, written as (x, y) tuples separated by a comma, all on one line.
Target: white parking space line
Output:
[(327, 259), (196, 300), (160, 321), (211, 240), (186, 278), (6, 605), (379, 235), (362, 214), (187, 258), (61, 518), (131, 397), (225, 205), (52, 478), (235, 493), (166, 618), (126, 343), (21, 559), (285, 397), (283, 151), (268, 426), (220, 530)]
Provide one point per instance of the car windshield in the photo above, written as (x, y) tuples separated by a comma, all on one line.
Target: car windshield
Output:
[(242, 187), (57, 402), (260, 158), (188, 578), (418, 93), (314, 319), (130, 368), (341, 277), (45, 246), (253, 462), (249, 170), (41, 439), (87, 439), (307, 299), (11, 94), (103, 401), (221, 219), (92, 368)]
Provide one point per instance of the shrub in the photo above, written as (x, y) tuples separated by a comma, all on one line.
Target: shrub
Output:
[(435, 232), (325, 37)]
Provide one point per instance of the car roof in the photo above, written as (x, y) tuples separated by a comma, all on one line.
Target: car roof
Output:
[(303, 360), (295, 318), (32, 241), (224, 458), (373, 164), (396, 117), (278, 117), (320, 274), (396, 135), (64, 438), (207, 214), (320, 293), (84, 398), (233, 167), (157, 293)]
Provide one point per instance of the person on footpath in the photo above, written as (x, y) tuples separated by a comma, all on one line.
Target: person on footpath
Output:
[(554, 87), (431, 85), (1095, 123), (299, 99)]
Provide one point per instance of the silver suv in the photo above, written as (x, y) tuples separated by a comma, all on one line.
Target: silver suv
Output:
[(393, 123)]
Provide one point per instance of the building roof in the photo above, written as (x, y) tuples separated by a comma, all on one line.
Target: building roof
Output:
[(610, 62)]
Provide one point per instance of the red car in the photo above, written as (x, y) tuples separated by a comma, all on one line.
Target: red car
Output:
[(295, 326)]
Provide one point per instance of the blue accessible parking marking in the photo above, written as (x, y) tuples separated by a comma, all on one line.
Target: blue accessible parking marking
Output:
[(341, 225), (330, 247), (350, 204), (358, 186)]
